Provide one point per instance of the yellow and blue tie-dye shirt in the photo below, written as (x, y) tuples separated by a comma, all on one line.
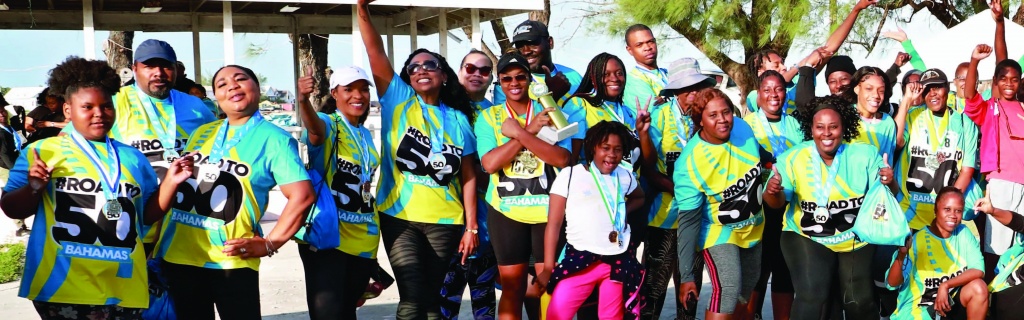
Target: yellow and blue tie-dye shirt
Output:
[(669, 132), (78, 254), (802, 172), (643, 84), (775, 136), (936, 148), (880, 133), (410, 188), (1010, 269), (347, 156), (723, 182), (520, 189), (930, 261), (580, 111), (211, 213)]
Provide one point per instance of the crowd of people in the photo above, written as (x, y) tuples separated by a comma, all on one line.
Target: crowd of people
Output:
[(140, 188)]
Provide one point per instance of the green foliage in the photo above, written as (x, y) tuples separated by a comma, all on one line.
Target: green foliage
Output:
[(12, 262), (4, 90)]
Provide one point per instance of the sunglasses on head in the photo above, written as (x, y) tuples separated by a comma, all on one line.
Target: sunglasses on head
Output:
[(429, 66), (483, 71), (508, 79)]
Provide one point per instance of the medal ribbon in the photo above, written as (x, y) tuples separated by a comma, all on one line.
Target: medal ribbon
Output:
[(934, 138), (221, 144), (165, 132), (514, 116), (362, 145), (109, 178), (608, 198), (777, 141), (680, 123), (436, 136), (824, 189), (616, 112), (14, 133), (656, 78)]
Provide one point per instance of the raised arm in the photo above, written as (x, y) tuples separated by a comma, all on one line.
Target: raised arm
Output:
[(914, 91), (839, 36), (1000, 42), (315, 128), (981, 52), (380, 65), (900, 36)]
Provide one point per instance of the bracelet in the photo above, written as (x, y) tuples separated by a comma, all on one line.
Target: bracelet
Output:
[(473, 231), (270, 247)]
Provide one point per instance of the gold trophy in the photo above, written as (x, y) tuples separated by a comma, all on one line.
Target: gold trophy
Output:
[(562, 128)]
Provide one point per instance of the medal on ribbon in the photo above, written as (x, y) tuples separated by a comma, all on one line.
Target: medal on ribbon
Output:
[(167, 134), (824, 183), (109, 177), (615, 208), (436, 159), (210, 170), (364, 158)]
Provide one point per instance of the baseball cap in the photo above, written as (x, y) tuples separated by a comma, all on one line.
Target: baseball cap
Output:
[(530, 30), (512, 59), (347, 75), (684, 73), (154, 49), (933, 77)]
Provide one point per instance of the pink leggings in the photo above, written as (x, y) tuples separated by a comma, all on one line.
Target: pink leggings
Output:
[(571, 292)]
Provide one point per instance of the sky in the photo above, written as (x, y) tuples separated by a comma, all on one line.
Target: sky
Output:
[(29, 54)]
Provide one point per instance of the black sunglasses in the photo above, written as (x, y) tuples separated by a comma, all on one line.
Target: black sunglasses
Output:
[(429, 66), (509, 79)]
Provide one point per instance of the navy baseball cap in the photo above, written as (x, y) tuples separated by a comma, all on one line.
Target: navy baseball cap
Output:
[(154, 49), (530, 30)]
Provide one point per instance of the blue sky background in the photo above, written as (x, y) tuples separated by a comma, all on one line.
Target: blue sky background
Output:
[(27, 55)]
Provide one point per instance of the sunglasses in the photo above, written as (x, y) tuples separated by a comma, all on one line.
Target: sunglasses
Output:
[(517, 78), (429, 66), (483, 71)]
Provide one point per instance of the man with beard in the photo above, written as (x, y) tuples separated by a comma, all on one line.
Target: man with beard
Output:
[(532, 40)]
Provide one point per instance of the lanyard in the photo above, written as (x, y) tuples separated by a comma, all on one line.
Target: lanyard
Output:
[(934, 136), (656, 78), (616, 112), (436, 136), (609, 199), (512, 113), (109, 178), (221, 144), (17, 139), (167, 131), (680, 124), (777, 141), (364, 150), (822, 193)]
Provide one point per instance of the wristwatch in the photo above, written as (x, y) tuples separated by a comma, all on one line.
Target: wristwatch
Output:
[(473, 231)]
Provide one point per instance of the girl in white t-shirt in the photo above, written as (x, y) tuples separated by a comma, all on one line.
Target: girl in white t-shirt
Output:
[(593, 199)]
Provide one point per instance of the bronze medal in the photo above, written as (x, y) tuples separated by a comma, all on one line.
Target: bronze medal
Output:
[(613, 237), (941, 157)]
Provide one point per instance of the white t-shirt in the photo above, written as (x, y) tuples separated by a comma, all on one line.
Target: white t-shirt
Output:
[(587, 222)]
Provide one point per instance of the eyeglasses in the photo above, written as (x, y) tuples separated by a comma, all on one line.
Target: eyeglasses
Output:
[(429, 66), (483, 71), (517, 78)]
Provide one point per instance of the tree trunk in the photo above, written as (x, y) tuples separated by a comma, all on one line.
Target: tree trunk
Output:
[(118, 49), (313, 52), (1018, 17), (543, 16), (504, 43)]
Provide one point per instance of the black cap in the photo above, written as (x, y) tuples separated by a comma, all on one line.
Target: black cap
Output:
[(512, 59), (933, 77), (840, 63), (530, 30)]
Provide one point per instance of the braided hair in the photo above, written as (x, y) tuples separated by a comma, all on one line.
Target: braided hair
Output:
[(453, 94), (848, 116), (599, 133), (756, 61), (592, 87), (75, 74), (863, 73)]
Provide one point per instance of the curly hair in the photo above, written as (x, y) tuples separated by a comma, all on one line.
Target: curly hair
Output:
[(756, 61), (860, 76), (41, 98), (592, 87), (599, 133), (78, 73), (701, 100), (453, 94), (847, 116)]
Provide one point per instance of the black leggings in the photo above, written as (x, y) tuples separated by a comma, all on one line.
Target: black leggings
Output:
[(662, 266), (813, 267), (773, 265), (335, 281), (195, 291), (1006, 304), (419, 254)]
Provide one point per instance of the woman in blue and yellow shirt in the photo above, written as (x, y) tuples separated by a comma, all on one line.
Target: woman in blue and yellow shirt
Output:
[(427, 161), (91, 196)]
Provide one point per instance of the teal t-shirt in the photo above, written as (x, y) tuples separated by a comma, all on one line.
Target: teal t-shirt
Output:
[(669, 133), (775, 136), (643, 84), (880, 133), (930, 261)]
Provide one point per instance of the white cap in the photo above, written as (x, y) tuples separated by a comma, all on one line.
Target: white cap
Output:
[(348, 75)]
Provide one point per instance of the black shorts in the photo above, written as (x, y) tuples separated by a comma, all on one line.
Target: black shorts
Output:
[(514, 241), (956, 309)]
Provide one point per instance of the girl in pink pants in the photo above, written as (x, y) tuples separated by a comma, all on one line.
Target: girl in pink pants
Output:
[(593, 199)]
